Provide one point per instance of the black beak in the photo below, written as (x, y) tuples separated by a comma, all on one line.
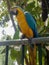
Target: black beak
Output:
[(14, 13)]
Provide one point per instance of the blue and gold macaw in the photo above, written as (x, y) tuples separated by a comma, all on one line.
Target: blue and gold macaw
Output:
[(28, 27)]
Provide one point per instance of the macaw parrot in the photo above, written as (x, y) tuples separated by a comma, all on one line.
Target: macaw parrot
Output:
[(28, 27)]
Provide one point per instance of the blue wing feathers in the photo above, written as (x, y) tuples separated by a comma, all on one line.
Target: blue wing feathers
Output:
[(32, 23)]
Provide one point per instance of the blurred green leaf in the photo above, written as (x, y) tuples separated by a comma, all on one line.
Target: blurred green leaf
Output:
[(16, 35), (16, 55)]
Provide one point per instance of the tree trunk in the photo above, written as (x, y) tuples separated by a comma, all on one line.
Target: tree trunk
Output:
[(9, 6)]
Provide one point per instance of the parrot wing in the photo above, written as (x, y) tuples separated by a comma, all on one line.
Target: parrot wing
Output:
[(31, 22)]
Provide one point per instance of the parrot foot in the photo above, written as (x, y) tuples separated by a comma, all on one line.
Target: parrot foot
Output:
[(30, 43), (30, 40), (23, 36)]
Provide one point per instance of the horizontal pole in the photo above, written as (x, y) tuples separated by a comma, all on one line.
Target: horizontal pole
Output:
[(24, 41)]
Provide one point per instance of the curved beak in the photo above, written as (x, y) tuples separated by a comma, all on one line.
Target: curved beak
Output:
[(13, 11)]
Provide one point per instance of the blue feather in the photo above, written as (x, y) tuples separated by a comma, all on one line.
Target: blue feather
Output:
[(31, 22)]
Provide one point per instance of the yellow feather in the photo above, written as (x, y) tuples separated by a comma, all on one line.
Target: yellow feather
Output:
[(26, 30)]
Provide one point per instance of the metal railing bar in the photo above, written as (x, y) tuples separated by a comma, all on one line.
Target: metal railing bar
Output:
[(24, 41), (6, 57)]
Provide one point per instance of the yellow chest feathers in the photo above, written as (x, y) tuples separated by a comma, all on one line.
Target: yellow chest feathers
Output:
[(26, 30)]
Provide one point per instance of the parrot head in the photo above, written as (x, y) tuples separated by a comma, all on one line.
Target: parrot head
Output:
[(16, 10)]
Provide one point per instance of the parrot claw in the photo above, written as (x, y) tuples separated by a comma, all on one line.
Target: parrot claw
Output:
[(30, 43), (30, 40), (23, 36)]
